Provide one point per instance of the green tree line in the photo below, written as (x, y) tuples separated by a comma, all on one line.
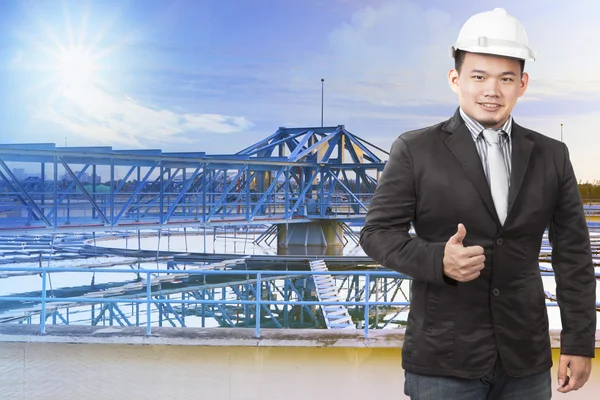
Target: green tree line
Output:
[(590, 191)]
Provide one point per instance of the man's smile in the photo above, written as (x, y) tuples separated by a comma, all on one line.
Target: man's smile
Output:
[(490, 106)]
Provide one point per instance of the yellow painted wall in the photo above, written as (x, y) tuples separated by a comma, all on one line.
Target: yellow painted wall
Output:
[(45, 371)]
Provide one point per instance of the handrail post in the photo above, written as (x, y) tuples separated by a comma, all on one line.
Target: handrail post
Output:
[(148, 296), (367, 295), (43, 316), (258, 298)]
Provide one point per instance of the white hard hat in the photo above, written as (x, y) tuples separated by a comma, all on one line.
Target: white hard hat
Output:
[(494, 32)]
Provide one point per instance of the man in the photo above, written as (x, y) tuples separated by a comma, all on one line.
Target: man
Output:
[(480, 190)]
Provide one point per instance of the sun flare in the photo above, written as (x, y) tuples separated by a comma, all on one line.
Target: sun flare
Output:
[(76, 67)]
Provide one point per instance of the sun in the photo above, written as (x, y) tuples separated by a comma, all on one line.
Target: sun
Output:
[(76, 66)]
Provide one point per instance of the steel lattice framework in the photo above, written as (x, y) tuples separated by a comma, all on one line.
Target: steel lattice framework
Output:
[(294, 175)]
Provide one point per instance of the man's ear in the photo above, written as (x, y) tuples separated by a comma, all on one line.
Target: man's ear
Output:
[(524, 83), (453, 79)]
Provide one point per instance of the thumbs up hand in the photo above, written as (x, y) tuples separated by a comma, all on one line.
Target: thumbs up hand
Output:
[(462, 263), (460, 234)]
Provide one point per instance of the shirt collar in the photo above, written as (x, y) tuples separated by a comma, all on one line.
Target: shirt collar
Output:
[(476, 128)]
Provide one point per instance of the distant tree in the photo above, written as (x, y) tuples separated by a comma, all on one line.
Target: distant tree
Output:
[(590, 191)]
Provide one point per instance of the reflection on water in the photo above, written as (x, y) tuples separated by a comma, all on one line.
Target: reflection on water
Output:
[(232, 241)]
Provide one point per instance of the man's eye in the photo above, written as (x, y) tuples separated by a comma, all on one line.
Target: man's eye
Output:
[(478, 77)]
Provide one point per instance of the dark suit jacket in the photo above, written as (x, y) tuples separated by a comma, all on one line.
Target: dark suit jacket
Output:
[(434, 178)]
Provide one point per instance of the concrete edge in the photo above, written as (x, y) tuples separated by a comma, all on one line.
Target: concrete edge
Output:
[(169, 336), (230, 337)]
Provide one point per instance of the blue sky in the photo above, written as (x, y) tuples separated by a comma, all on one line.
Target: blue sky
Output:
[(216, 76)]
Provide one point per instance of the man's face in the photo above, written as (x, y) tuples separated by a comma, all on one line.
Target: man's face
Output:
[(488, 87)]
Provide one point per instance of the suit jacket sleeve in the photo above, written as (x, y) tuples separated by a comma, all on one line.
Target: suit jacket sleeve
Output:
[(573, 266), (385, 236)]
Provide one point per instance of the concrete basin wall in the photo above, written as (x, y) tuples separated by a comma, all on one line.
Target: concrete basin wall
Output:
[(82, 362)]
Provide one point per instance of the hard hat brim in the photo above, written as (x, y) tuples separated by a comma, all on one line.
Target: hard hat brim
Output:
[(498, 47)]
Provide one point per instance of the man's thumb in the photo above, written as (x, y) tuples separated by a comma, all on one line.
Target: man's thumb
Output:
[(562, 372), (460, 234)]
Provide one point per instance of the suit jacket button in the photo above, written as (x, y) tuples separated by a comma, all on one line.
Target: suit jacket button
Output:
[(496, 292), (499, 241)]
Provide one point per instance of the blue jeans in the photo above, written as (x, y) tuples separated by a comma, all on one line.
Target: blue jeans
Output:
[(496, 384)]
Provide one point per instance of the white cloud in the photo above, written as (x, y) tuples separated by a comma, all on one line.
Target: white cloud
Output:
[(103, 118), (565, 37), (395, 54), (398, 53), (216, 123)]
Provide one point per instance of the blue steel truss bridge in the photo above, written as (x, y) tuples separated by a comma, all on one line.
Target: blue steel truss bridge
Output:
[(296, 175)]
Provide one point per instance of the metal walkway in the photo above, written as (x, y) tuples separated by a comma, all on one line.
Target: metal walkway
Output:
[(336, 316)]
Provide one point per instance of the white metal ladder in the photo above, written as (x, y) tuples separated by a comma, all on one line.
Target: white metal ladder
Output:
[(336, 316)]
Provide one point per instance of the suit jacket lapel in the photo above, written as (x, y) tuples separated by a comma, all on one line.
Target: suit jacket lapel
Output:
[(522, 146), (461, 144)]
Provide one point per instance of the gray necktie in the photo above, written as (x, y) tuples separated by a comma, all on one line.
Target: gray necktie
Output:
[(498, 177)]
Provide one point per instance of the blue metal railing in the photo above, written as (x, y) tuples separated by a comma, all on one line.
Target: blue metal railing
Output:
[(367, 303)]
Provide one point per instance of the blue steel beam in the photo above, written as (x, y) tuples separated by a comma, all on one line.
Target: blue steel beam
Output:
[(58, 200), (333, 141), (125, 178), (182, 193), (349, 191), (268, 148), (57, 313), (47, 156), (264, 141), (221, 308), (351, 147), (170, 310), (330, 139), (266, 308), (217, 206), (301, 145), (114, 315), (14, 190), (290, 285), (96, 319), (30, 201), (372, 157), (84, 191), (135, 193), (269, 192), (159, 181), (366, 143), (165, 310), (121, 314), (302, 194)]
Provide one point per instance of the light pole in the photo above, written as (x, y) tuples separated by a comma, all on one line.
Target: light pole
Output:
[(322, 80), (561, 132)]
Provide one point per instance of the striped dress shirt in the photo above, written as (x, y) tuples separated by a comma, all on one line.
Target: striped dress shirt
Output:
[(504, 141)]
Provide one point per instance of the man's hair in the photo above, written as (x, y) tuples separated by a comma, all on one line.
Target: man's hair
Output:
[(459, 58)]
